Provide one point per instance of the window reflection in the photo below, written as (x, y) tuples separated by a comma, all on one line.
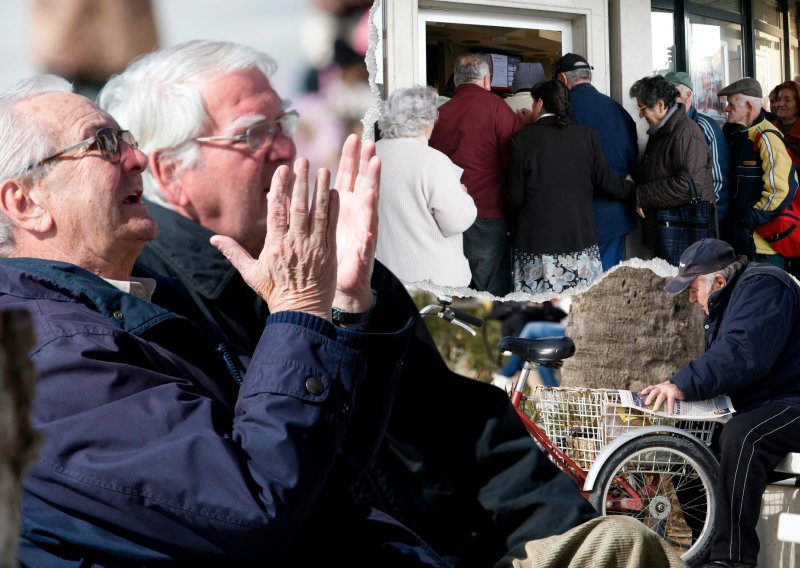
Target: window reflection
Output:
[(663, 42), (715, 49), (769, 64)]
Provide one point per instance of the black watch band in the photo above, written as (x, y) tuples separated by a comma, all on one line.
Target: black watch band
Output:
[(340, 316)]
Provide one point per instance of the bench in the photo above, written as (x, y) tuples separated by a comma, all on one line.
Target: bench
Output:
[(779, 526)]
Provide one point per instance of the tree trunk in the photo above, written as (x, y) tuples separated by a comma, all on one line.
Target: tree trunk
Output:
[(629, 333)]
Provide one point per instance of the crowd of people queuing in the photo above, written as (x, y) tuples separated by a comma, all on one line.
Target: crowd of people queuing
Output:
[(557, 179)]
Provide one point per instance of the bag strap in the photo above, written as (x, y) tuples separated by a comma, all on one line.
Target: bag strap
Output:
[(692, 186), (760, 134)]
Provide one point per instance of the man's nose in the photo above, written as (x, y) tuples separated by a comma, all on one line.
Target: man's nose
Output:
[(133, 159)]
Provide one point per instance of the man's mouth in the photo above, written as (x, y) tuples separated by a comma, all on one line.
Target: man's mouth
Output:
[(134, 197)]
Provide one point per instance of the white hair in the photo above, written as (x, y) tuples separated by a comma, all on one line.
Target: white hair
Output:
[(470, 68), (24, 140), (159, 97), (408, 112)]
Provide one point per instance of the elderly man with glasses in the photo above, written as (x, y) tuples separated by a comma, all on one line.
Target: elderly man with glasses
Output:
[(159, 443), (202, 111)]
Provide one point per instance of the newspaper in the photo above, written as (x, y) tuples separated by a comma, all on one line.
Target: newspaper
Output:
[(718, 408)]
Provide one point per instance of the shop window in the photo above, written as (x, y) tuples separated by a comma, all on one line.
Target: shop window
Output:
[(767, 11), (663, 41), (769, 63), (715, 60)]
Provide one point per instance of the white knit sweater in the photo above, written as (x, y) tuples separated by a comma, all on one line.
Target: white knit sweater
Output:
[(422, 213)]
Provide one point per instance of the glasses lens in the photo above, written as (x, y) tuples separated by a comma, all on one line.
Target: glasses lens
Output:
[(106, 142), (128, 138), (259, 135)]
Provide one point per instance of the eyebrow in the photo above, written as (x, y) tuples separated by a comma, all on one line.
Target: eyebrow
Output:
[(244, 122)]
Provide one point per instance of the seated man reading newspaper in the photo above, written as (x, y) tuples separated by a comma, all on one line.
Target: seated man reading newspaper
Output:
[(752, 354)]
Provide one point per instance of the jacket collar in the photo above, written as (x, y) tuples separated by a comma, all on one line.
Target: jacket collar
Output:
[(190, 252), (36, 278)]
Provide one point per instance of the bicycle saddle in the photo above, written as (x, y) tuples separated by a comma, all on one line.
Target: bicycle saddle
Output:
[(548, 351)]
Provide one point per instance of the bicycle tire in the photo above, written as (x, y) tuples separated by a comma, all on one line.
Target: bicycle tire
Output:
[(678, 476)]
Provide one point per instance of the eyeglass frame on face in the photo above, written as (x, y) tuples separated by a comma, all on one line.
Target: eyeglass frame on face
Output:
[(286, 123), (112, 157)]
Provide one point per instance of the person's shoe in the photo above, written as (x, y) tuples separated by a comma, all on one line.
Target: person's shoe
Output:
[(501, 381)]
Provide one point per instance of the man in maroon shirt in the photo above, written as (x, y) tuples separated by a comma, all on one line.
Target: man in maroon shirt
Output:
[(473, 130)]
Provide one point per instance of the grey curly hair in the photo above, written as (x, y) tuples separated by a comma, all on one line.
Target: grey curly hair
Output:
[(408, 112)]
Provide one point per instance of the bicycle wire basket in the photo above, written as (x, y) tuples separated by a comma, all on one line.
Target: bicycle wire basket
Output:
[(582, 421)]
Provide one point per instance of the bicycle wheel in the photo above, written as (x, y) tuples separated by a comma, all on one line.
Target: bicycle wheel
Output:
[(667, 483)]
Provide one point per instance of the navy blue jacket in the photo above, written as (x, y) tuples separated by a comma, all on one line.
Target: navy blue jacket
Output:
[(456, 464), (752, 342), (619, 143), (156, 448)]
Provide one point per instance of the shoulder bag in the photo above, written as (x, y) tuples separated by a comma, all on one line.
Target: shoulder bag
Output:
[(680, 226)]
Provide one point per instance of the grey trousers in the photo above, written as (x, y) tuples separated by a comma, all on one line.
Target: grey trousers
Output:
[(604, 542)]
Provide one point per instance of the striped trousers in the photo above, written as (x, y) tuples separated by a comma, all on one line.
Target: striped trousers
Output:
[(751, 445)]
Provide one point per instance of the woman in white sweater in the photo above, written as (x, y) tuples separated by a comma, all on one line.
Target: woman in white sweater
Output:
[(423, 206)]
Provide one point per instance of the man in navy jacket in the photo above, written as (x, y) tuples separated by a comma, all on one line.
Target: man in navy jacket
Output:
[(618, 141), (753, 355), (159, 444)]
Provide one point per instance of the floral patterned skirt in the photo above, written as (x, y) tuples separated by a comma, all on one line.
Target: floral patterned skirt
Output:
[(555, 272)]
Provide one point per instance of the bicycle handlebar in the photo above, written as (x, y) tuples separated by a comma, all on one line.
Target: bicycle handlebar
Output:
[(452, 315)]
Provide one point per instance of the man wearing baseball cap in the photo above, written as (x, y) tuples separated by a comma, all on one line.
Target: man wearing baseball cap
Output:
[(761, 170), (752, 331), (713, 135), (619, 143)]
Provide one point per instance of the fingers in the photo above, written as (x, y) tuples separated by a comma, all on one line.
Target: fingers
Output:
[(320, 205), (298, 220), (277, 213), (346, 173), (233, 251)]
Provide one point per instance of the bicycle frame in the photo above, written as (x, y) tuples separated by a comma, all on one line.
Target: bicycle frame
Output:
[(561, 459)]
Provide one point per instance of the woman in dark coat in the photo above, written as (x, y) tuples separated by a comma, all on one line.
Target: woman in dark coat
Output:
[(556, 167), (676, 148)]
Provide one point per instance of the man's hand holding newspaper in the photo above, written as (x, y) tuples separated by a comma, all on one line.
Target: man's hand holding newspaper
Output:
[(653, 398)]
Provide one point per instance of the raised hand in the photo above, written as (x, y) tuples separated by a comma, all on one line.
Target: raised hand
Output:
[(296, 269), (358, 182)]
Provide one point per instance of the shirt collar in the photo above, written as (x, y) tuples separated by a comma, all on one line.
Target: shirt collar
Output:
[(142, 288)]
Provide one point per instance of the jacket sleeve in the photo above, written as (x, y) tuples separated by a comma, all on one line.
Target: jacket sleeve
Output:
[(139, 442), (506, 125), (605, 182), (719, 163), (452, 207), (779, 181), (686, 152), (751, 336)]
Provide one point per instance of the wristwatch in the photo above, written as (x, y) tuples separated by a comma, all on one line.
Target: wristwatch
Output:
[(342, 317)]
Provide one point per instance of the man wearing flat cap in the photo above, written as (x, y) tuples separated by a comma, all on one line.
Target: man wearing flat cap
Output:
[(752, 354), (761, 170), (619, 143), (713, 135)]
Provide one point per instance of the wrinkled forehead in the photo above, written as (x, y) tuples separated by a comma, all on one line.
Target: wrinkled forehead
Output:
[(68, 116), (735, 99)]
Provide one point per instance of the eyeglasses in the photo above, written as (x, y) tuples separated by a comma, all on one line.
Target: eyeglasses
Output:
[(641, 108), (106, 140), (261, 134)]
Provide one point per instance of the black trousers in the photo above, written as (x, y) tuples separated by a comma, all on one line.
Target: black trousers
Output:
[(751, 445)]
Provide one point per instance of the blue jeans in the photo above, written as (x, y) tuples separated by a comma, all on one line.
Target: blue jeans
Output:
[(487, 250), (536, 330), (612, 252)]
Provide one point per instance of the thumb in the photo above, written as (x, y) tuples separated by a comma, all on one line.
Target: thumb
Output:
[(234, 252)]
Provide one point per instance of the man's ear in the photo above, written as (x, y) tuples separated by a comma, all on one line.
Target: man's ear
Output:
[(487, 82), (24, 211), (164, 169), (719, 281)]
